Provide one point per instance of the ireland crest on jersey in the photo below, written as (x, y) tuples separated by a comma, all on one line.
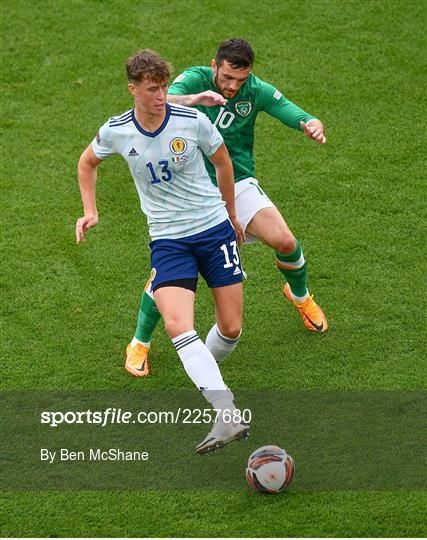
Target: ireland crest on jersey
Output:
[(244, 108)]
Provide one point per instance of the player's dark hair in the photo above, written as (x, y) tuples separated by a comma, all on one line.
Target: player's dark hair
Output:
[(149, 65), (237, 52)]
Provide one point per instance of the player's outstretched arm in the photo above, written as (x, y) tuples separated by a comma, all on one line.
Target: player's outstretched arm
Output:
[(314, 129), (225, 177), (209, 98), (88, 163)]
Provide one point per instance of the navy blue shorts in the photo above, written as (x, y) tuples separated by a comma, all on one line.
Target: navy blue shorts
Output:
[(214, 253)]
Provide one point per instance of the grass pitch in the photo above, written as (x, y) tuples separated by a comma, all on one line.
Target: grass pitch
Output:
[(355, 205)]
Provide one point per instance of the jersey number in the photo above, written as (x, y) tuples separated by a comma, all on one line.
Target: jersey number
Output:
[(235, 254), (166, 176), (224, 118)]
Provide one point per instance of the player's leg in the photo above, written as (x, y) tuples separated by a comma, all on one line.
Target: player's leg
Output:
[(263, 221), (219, 263), (176, 304), (224, 336), (138, 349), (220, 266), (174, 287), (269, 226), (148, 316), (177, 307)]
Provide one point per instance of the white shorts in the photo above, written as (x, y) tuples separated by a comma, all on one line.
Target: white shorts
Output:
[(250, 199)]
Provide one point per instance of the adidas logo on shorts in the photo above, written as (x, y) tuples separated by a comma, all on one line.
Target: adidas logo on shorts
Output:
[(237, 271)]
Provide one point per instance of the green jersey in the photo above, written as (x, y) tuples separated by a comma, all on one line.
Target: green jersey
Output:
[(236, 121)]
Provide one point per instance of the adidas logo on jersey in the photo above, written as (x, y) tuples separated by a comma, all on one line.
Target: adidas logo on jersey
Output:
[(133, 152), (237, 271)]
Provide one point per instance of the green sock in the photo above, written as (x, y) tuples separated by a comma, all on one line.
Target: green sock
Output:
[(294, 268), (148, 317)]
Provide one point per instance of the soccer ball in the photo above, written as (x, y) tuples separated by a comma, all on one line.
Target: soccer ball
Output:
[(270, 469)]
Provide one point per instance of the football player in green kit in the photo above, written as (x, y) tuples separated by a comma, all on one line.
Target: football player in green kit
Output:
[(231, 97)]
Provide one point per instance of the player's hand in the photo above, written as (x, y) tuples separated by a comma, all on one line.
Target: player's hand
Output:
[(314, 130), (239, 230), (208, 99), (83, 224)]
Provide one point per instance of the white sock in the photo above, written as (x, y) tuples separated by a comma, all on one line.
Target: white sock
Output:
[(135, 341), (198, 362), (299, 299), (220, 399), (220, 346)]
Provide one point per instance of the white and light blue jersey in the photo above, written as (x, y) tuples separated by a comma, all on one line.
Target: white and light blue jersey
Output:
[(167, 166)]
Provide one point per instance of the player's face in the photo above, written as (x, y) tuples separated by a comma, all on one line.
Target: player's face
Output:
[(150, 96), (229, 80)]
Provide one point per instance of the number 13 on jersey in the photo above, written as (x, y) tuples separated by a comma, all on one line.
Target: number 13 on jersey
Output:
[(235, 254), (166, 176)]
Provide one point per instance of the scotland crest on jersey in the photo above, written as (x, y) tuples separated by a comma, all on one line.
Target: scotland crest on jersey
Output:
[(178, 145)]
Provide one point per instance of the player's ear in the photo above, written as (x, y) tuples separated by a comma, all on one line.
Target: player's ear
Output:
[(214, 66), (131, 88)]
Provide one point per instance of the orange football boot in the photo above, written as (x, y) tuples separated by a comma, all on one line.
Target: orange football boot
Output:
[(137, 360), (311, 313)]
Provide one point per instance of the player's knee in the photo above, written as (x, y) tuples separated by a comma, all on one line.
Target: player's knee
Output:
[(231, 330), (285, 243), (175, 326)]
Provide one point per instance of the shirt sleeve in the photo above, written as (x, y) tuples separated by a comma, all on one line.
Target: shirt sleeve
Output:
[(273, 102), (102, 144), (186, 83), (210, 138)]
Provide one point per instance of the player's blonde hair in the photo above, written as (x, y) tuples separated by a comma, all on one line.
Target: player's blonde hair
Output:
[(147, 64)]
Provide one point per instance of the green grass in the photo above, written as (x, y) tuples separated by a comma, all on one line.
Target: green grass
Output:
[(219, 514), (356, 205)]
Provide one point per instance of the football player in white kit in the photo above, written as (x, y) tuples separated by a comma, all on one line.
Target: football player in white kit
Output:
[(192, 223)]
